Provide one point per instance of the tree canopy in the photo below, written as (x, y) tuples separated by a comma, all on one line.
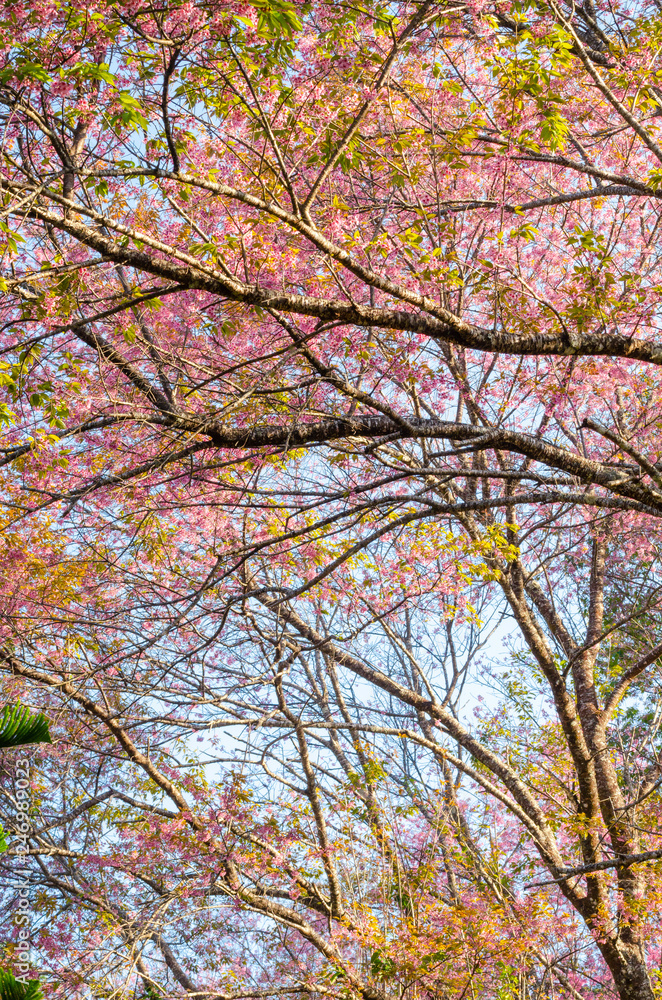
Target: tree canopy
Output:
[(331, 472)]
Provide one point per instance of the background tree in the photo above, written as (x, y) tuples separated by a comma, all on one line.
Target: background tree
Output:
[(331, 334)]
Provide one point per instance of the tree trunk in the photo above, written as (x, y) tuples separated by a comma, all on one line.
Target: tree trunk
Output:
[(628, 967)]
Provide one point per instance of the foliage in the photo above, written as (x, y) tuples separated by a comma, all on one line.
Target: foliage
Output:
[(19, 726), (331, 493), (13, 989)]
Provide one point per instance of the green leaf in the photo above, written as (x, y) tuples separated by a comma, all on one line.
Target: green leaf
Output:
[(131, 113), (7, 416), (101, 72), (25, 69), (18, 727), (382, 966), (555, 130), (13, 989)]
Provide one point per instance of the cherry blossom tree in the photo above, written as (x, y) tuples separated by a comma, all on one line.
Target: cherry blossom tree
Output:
[(330, 348)]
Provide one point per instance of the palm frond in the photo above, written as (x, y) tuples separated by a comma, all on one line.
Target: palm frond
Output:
[(12, 989), (19, 726)]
